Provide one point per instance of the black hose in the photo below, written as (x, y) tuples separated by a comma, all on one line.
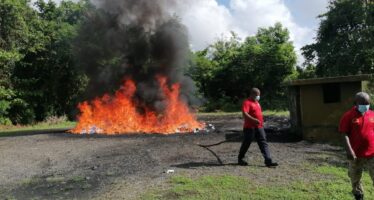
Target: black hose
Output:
[(221, 142)]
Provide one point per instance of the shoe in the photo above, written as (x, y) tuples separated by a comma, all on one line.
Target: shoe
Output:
[(271, 164), (242, 162), (359, 196)]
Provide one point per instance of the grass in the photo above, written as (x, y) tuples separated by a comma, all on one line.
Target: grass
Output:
[(9, 198), (30, 129), (206, 187), (55, 179), (38, 126), (214, 114), (29, 181), (334, 185), (266, 112), (78, 179), (281, 113)]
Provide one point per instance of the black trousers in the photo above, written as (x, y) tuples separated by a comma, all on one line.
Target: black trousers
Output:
[(260, 135)]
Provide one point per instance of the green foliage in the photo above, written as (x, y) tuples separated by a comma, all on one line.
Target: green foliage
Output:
[(223, 103), (36, 59), (5, 97), (13, 38), (227, 70), (20, 112), (308, 72), (345, 42)]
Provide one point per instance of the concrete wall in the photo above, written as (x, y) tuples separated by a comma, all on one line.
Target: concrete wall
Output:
[(320, 120)]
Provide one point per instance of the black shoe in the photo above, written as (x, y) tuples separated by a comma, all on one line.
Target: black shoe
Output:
[(242, 162), (359, 196), (271, 164)]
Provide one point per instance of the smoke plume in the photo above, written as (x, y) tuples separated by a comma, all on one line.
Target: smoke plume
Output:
[(137, 39)]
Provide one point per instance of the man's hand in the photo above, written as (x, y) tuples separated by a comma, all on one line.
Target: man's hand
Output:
[(254, 120), (351, 156)]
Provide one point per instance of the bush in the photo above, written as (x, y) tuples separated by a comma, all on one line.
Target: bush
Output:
[(4, 106), (20, 113), (224, 104), (51, 120), (5, 96)]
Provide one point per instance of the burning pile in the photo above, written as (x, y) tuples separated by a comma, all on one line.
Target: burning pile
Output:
[(119, 114), (141, 48)]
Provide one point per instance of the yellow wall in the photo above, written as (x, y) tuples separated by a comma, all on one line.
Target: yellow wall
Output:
[(320, 120)]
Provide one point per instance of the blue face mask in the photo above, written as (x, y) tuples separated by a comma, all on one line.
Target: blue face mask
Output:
[(363, 108), (257, 98)]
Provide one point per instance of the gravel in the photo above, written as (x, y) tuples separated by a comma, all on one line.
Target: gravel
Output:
[(65, 166)]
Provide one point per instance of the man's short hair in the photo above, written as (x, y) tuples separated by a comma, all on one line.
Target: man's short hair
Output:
[(255, 90), (362, 96)]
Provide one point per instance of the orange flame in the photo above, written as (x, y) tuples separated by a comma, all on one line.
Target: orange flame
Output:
[(118, 114)]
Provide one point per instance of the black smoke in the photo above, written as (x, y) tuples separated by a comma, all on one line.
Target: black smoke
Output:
[(139, 39)]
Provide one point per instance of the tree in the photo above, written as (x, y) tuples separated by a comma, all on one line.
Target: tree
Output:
[(201, 70), (274, 61), (345, 42), (38, 74), (50, 72), (15, 38), (227, 70), (306, 72)]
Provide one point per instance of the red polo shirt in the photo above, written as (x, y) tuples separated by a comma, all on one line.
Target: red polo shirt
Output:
[(253, 108), (360, 130)]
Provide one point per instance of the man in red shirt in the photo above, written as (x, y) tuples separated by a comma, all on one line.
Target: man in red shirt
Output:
[(357, 125), (254, 127)]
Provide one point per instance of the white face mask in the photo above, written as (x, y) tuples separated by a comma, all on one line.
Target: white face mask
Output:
[(257, 98), (363, 108)]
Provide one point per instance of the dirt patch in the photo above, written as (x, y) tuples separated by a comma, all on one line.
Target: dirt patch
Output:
[(65, 166)]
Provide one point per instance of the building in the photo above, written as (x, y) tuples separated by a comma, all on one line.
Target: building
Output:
[(316, 105)]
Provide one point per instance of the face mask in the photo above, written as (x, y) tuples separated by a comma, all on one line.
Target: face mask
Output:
[(257, 98), (363, 108)]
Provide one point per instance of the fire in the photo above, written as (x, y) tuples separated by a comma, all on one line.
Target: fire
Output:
[(119, 114)]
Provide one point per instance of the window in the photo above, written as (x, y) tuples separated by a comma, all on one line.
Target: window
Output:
[(331, 92)]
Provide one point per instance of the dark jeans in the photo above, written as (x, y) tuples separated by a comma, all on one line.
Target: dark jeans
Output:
[(260, 135)]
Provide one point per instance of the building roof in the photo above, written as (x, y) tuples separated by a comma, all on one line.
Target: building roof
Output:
[(338, 79)]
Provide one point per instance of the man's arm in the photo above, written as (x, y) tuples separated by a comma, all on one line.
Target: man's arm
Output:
[(246, 115), (345, 129), (350, 153)]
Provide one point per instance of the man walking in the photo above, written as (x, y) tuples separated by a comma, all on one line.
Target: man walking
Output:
[(357, 125), (253, 127)]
